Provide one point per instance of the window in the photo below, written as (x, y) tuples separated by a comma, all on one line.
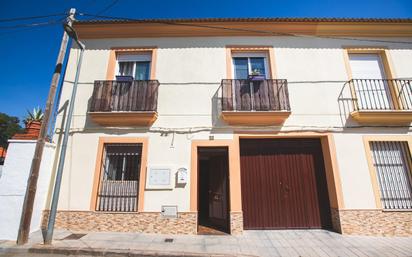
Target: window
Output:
[(391, 160), (373, 91), (119, 180), (134, 65), (245, 64)]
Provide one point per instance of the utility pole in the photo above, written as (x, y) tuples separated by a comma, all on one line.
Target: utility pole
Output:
[(27, 210), (48, 235)]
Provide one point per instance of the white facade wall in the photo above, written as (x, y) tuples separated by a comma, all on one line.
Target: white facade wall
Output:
[(190, 71), (13, 183)]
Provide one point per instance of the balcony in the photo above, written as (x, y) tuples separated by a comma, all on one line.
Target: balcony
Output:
[(382, 101), (124, 103), (248, 102)]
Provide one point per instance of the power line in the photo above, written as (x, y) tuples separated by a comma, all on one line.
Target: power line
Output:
[(32, 17), (29, 28), (37, 24), (211, 83), (113, 3), (5, 34), (103, 10), (272, 33), (194, 130)]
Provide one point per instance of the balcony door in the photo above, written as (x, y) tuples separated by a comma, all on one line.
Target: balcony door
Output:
[(371, 88), (249, 94)]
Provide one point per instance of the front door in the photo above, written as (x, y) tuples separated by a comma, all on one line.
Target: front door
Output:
[(218, 190), (213, 189)]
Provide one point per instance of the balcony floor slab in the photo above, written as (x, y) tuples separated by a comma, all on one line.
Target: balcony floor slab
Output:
[(258, 118), (124, 118), (396, 117)]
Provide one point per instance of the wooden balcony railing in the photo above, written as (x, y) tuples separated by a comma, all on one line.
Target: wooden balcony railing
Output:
[(113, 101), (259, 102), (261, 95), (119, 96), (379, 100)]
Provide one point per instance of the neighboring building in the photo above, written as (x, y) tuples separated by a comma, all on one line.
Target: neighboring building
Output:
[(240, 124), (3, 153)]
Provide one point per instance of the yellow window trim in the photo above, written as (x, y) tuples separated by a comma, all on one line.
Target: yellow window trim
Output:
[(372, 170), (111, 66), (269, 50)]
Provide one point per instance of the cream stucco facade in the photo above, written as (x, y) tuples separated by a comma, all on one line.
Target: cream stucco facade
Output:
[(190, 70)]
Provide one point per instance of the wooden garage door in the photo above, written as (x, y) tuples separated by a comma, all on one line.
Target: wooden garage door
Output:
[(283, 184)]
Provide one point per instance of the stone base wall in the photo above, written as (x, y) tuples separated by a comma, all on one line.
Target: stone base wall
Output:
[(336, 226), (351, 222), (374, 222), (186, 223), (236, 223)]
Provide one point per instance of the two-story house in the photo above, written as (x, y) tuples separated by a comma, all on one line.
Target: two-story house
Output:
[(205, 125)]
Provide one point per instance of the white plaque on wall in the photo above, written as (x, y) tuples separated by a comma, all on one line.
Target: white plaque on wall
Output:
[(159, 177)]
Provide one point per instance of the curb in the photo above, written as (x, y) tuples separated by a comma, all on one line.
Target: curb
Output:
[(106, 252)]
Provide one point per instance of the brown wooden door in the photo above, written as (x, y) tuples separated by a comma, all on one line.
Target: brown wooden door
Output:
[(283, 184), (218, 191)]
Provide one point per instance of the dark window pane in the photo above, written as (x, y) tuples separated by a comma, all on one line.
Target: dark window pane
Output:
[(122, 162), (142, 70), (241, 68), (126, 68)]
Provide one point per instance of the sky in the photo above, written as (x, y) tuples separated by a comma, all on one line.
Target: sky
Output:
[(28, 54)]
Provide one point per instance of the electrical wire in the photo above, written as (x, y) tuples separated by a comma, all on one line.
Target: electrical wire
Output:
[(31, 24), (244, 129), (7, 33), (194, 129), (113, 3), (204, 83), (272, 33), (32, 17)]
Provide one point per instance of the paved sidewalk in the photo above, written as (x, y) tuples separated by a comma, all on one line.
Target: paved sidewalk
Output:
[(251, 243)]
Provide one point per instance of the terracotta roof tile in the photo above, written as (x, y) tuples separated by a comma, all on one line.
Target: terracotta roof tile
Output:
[(204, 20)]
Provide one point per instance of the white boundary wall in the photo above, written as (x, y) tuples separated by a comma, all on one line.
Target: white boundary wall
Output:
[(13, 184)]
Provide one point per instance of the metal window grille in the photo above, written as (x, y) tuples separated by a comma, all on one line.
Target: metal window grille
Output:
[(119, 180), (392, 160)]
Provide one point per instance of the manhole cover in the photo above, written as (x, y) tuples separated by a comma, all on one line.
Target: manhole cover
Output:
[(74, 236)]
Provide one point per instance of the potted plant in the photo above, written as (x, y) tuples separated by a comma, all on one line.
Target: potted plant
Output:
[(256, 75), (33, 121)]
